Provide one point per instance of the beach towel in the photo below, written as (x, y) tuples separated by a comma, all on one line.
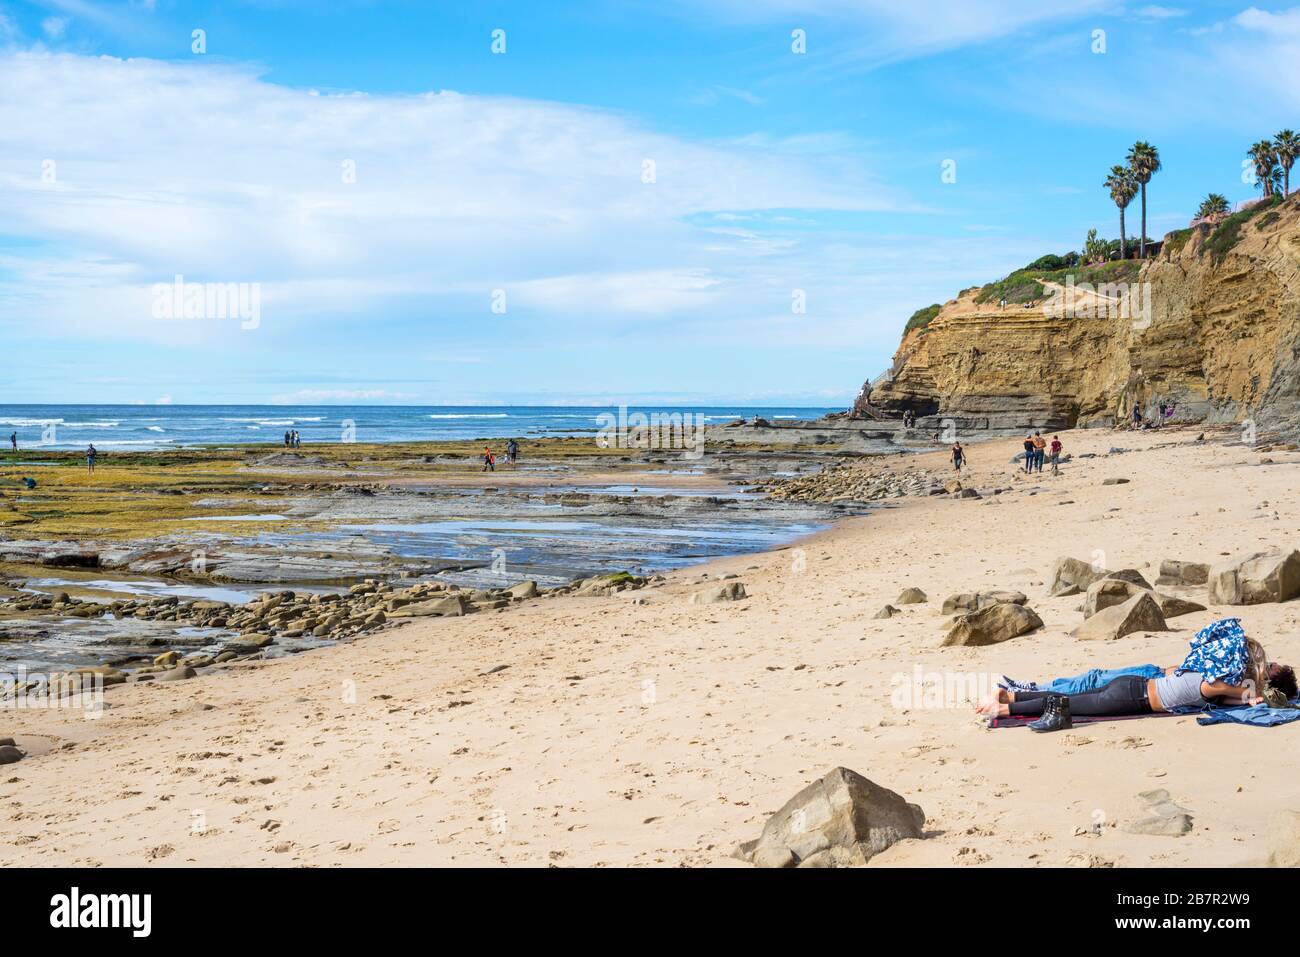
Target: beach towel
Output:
[(1259, 716), (1020, 720)]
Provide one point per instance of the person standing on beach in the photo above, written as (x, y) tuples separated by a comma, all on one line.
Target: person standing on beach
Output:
[(958, 457), (13, 440), (90, 458), (286, 438), (1056, 455), (1029, 453), (1040, 444), (512, 451), (1137, 417), (489, 460)]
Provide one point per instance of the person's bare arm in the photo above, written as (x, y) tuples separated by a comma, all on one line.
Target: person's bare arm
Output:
[(1219, 689)]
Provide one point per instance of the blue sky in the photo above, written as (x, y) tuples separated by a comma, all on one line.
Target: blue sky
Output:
[(647, 188)]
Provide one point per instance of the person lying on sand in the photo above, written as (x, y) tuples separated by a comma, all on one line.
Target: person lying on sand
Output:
[(1223, 666)]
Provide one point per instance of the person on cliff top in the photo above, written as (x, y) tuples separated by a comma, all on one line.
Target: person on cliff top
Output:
[(958, 456)]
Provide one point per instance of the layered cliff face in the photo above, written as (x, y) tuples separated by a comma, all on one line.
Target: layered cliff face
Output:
[(1212, 324)]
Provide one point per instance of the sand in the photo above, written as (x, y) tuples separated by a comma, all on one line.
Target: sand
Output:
[(664, 733)]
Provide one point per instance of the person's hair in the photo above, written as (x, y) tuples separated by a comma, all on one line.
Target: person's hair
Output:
[(1284, 681)]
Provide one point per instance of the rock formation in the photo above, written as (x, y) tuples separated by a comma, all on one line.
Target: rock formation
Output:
[(1213, 326)]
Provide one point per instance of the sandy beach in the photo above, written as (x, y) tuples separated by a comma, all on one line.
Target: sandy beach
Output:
[(640, 729)]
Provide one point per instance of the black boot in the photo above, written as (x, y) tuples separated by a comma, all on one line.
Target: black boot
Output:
[(1056, 715)]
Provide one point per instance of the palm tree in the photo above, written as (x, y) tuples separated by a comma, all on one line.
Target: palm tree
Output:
[(1123, 186), (1287, 146), (1144, 161), (1265, 159), (1214, 206)]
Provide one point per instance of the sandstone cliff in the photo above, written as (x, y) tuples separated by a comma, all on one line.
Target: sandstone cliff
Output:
[(1212, 324)]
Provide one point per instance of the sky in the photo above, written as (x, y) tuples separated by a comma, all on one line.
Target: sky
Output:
[(676, 202)]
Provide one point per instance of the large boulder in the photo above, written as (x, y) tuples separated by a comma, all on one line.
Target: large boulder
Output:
[(1256, 579), (1284, 839), (994, 624), (841, 820), (969, 601), (727, 591), (1131, 575), (1115, 591), (450, 606), (1182, 573), (1071, 576), (1139, 613)]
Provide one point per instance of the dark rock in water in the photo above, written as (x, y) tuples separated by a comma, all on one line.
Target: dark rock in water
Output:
[(71, 560), (841, 820)]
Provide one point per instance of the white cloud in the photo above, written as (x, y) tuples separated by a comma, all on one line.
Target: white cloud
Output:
[(311, 396), (1156, 12), (157, 169), (1284, 24), (55, 27)]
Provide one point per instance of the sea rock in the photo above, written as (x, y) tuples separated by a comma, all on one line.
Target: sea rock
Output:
[(840, 820), (1163, 817), (10, 754), (994, 624), (526, 589), (449, 606), (910, 596), (1182, 573), (1130, 575), (1071, 576), (1115, 591), (727, 591), (975, 600), (183, 673), (1256, 579), (1284, 839), (1139, 613)]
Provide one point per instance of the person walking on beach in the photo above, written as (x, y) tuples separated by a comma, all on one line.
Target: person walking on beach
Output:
[(286, 438), (1029, 453), (1137, 417), (489, 460), (512, 452), (90, 458), (1056, 455), (1040, 445), (958, 457), (13, 440)]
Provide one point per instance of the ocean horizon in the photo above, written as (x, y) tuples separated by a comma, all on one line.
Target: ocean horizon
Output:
[(153, 427)]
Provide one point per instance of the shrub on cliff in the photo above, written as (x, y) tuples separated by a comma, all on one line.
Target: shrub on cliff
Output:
[(921, 318), (1227, 234)]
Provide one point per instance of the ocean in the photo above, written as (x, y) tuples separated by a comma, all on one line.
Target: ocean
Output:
[(146, 427)]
